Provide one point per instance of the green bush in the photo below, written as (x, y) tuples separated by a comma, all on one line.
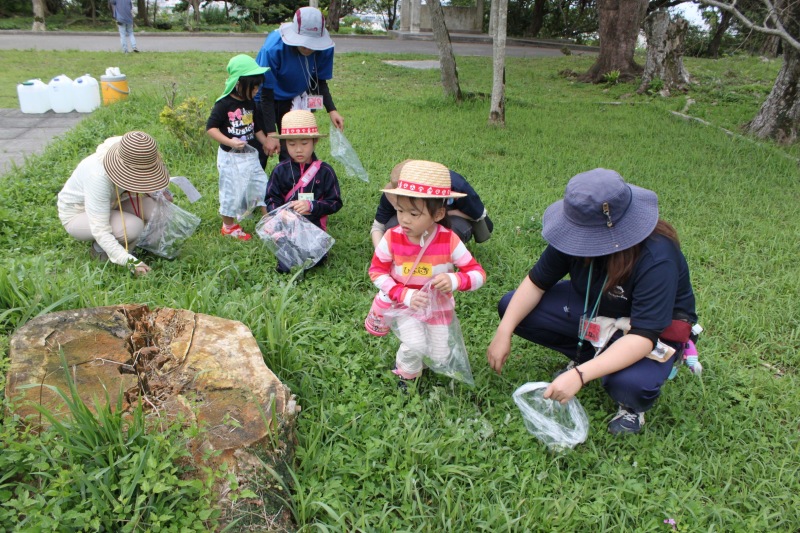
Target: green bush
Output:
[(214, 15), (187, 122)]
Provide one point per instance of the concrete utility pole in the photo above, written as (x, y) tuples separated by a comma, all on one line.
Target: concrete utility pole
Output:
[(416, 7)]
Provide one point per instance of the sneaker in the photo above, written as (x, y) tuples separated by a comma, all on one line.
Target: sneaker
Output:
[(136, 50), (626, 421), (236, 231), (403, 384), (98, 253)]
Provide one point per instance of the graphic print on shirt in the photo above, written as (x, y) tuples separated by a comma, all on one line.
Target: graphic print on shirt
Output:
[(241, 124), (618, 292), (424, 270)]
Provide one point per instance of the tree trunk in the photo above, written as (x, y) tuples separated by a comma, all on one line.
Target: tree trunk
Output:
[(334, 8), (446, 58), (620, 21), (779, 116), (38, 16), (497, 111), (537, 20), (716, 40), (141, 11), (665, 53)]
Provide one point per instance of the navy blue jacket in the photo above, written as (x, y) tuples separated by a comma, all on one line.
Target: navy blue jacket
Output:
[(324, 186)]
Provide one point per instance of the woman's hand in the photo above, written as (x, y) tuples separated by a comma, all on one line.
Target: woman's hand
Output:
[(564, 387), (272, 146), (236, 144), (443, 283), (498, 351), (141, 270), (337, 119), (419, 301), (301, 207)]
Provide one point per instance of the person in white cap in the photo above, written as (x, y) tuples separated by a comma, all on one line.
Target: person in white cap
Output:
[(299, 55)]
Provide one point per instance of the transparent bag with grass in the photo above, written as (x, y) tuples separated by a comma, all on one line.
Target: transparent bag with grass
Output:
[(343, 152), (292, 238), (167, 228), (242, 182), (559, 426), (432, 336)]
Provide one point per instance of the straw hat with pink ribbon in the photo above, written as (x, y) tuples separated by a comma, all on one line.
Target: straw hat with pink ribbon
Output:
[(424, 179)]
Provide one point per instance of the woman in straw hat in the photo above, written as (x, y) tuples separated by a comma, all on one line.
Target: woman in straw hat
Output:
[(299, 55), (419, 250), (102, 200), (629, 275)]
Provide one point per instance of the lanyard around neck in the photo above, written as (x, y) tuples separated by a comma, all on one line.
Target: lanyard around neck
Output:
[(584, 327)]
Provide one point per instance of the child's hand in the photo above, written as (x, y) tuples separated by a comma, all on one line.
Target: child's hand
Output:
[(419, 301), (443, 283), (301, 207), (236, 144)]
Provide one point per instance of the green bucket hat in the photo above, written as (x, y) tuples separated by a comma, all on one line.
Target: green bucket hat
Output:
[(238, 66)]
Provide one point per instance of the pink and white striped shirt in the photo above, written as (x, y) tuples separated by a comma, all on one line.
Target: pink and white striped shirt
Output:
[(395, 255)]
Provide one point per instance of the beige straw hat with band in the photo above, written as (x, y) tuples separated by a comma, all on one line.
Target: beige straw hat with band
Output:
[(424, 179), (134, 164), (300, 124)]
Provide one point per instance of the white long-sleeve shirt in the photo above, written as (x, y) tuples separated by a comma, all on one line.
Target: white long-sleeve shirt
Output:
[(89, 190)]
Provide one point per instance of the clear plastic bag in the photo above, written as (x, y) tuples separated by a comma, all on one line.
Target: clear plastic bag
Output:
[(292, 238), (167, 228), (558, 426), (432, 335), (343, 152), (242, 182)]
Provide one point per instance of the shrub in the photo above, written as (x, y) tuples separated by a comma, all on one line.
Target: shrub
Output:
[(214, 15), (187, 121), (611, 77)]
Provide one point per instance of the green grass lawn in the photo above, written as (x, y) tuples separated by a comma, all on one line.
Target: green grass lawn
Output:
[(719, 453)]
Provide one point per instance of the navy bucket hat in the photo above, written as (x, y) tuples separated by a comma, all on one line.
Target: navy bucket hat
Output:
[(600, 215)]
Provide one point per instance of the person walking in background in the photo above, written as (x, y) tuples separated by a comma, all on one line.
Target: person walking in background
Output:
[(299, 55), (122, 11)]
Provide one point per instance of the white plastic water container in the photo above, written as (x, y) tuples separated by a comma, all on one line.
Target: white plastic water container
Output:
[(60, 91), (33, 97), (86, 94)]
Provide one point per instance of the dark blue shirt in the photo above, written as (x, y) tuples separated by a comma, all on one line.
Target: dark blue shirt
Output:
[(658, 290), (470, 204), (324, 186), (291, 73)]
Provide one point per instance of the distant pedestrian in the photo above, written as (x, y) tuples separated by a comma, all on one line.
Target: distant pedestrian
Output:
[(122, 11), (300, 57)]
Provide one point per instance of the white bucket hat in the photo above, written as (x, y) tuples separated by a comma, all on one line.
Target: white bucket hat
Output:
[(307, 29)]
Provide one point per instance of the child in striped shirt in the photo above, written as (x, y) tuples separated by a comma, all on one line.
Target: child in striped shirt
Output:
[(421, 249)]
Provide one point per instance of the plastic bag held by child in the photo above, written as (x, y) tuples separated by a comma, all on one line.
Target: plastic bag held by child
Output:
[(167, 229), (292, 238), (343, 152), (558, 425), (242, 170), (432, 334)]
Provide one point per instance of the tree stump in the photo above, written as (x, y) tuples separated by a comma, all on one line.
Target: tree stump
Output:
[(665, 53)]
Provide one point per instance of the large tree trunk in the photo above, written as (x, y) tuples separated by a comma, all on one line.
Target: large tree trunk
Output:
[(38, 16), (537, 19), (334, 8), (716, 40), (141, 12), (447, 60), (779, 116), (620, 21), (497, 111), (665, 52)]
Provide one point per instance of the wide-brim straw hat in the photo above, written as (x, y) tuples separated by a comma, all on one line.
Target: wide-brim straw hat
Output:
[(424, 179), (307, 29), (134, 164), (300, 124), (599, 215)]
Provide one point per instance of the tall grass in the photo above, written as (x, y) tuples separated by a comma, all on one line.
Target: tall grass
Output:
[(718, 453)]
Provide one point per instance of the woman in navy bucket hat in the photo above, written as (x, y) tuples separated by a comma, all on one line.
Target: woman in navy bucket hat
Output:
[(627, 308), (300, 57)]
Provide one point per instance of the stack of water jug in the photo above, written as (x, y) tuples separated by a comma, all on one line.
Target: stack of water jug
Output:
[(62, 95)]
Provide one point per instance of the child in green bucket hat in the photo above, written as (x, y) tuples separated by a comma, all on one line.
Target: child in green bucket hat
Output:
[(236, 123)]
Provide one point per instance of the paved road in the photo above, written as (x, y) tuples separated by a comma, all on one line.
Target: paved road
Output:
[(182, 42)]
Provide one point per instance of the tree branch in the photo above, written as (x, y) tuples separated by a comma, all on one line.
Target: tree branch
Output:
[(778, 30)]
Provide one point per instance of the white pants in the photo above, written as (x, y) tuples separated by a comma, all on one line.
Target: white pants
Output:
[(418, 339), (130, 226)]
